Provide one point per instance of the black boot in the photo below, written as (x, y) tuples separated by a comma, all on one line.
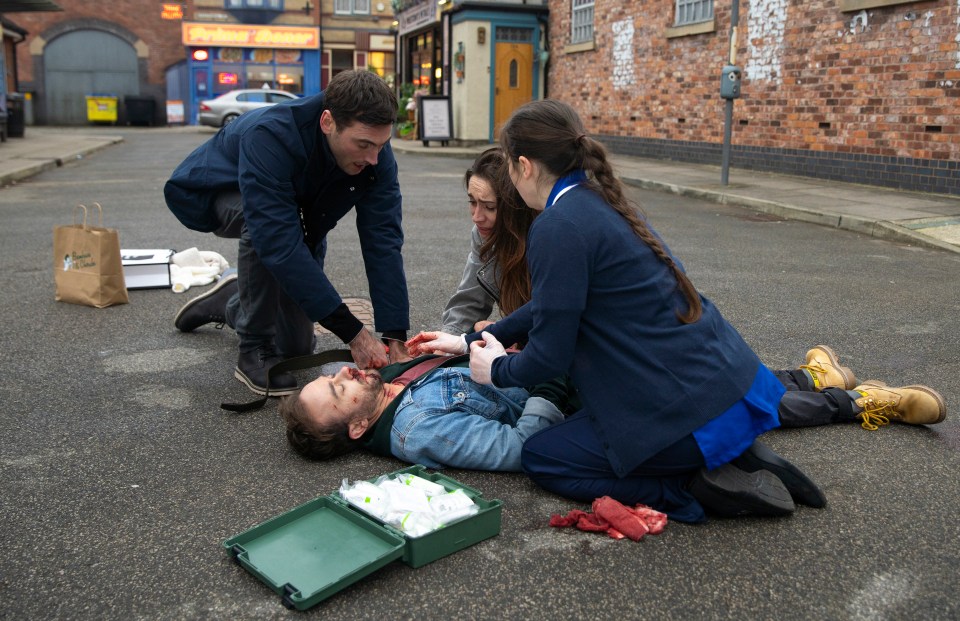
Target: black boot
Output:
[(253, 368), (728, 491), (209, 307), (802, 489)]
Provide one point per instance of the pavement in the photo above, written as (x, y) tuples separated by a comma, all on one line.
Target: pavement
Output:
[(922, 219), (121, 476)]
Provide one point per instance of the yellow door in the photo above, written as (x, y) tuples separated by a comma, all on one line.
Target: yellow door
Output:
[(513, 81)]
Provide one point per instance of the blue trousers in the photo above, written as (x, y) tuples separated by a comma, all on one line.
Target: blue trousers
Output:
[(568, 458), (261, 312)]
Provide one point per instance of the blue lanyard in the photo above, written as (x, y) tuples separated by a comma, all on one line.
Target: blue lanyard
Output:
[(563, 184)]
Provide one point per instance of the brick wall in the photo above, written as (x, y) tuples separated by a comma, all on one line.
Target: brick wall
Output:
[(871, 97), (139, 17)]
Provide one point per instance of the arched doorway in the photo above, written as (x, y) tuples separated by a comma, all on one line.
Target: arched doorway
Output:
[(82, 62)]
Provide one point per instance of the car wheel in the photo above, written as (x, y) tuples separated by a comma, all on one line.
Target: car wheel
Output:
[(230, 118)]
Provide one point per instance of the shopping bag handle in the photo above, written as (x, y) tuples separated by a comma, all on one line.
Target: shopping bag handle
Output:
[(84, 208), (75, 210)]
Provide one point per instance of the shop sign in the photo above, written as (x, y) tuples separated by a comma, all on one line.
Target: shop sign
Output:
[(245, 35), (417, 16), (171, 11), (382, 43)]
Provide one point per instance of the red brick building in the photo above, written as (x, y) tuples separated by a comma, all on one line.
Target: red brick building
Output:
[(122, 47), (148, 51), (865, 91)]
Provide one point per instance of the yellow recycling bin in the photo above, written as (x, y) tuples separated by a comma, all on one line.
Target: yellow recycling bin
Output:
[(102, 108)]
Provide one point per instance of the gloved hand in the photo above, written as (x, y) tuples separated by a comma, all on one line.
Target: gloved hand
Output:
[(436, 343), (482, 355)]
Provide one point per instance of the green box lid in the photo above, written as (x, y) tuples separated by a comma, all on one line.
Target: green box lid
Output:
[(311, 552), (323, 546)]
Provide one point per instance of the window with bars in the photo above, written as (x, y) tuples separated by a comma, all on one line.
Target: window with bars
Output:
[(351, 7), (693, 11), (514, 35), (581, 23), (254, 4)]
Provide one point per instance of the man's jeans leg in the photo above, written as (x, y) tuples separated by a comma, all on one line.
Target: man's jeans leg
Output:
[(262, 313)]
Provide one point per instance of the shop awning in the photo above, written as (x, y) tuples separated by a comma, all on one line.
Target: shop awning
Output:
[(25, 6)]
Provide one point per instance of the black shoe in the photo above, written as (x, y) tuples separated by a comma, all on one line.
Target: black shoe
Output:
[(728, 491), (802, 489), (252, 370), (209, 307)]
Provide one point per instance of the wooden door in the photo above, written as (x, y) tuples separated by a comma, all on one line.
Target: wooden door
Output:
[(513, 81)]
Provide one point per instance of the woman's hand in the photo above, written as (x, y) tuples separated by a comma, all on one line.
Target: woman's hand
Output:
[(436, 343), (482, 355), (482, 325)]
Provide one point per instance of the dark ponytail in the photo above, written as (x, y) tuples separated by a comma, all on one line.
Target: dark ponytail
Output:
[(551, 133)]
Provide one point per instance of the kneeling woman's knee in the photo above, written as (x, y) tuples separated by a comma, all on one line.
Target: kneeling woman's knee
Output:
[(533, 457)]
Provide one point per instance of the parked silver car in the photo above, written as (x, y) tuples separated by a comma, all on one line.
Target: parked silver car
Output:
[(227, 107)]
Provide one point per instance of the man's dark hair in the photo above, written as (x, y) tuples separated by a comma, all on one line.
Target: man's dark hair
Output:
[(360, 96), (309, 440)]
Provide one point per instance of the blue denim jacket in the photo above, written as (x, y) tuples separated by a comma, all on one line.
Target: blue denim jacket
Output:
[(447, 419)]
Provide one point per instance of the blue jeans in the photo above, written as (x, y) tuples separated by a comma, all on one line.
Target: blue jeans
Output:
[(261, 312)]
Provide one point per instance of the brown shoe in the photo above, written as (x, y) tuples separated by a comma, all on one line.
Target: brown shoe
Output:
[(916, 405), (824, 365)]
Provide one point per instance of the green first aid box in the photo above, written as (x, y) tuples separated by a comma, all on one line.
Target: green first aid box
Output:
[(323, 546)]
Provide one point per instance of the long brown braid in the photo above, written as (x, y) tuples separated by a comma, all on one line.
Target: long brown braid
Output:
[(550, 132)]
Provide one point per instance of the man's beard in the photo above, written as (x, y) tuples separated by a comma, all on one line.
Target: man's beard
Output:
[(372, 383)]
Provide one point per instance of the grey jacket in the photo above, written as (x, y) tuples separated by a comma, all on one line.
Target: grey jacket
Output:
[(476, 294)]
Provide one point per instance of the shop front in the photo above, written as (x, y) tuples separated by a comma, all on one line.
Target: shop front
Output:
[(486, 59), (421, 47), (222, 58)]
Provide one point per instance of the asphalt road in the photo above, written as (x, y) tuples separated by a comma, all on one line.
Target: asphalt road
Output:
[(121, 476)]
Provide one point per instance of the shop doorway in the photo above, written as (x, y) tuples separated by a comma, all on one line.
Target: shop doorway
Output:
[(513, 82)]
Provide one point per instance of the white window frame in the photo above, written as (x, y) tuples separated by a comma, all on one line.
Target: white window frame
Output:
[(581, 21), (351, 7), (693, 12), (276, 5)]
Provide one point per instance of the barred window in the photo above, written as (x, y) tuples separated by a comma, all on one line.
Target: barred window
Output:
[(351, 7), (693, 11), (514, 35), (581, 24), (254, 4)]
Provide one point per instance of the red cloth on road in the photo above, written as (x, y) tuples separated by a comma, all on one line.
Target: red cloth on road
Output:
[(615, 519)]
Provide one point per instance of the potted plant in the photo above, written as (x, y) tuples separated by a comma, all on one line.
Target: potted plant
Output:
[(404, 117)]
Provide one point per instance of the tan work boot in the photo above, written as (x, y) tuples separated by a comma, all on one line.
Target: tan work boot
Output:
[(916, 405), (824, 365)]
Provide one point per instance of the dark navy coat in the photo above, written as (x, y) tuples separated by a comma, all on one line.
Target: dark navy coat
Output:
[(293, 195), (603, 309)]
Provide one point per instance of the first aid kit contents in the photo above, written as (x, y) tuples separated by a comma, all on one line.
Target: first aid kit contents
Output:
[(323, 546), (410, 503)]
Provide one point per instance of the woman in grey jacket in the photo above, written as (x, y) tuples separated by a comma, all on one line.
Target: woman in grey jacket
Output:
[(496, 271)]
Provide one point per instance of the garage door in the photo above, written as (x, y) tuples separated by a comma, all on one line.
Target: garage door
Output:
[(82, 62)]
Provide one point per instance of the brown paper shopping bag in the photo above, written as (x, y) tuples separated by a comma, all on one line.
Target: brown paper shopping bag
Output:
[(87, 268)]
